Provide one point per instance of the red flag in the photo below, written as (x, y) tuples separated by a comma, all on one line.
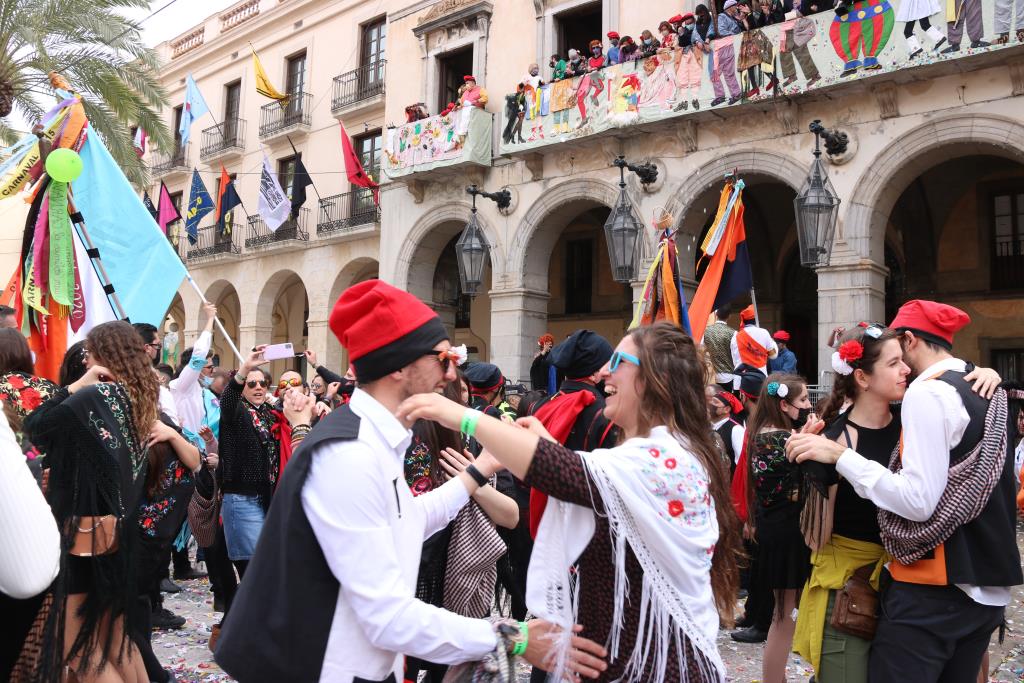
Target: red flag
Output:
[(354, 167)]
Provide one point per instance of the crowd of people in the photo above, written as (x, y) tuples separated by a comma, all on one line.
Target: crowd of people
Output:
[(420, 517)]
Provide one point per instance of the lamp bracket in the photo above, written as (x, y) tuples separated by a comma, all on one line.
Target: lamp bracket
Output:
[(503, 198), (647, 172)]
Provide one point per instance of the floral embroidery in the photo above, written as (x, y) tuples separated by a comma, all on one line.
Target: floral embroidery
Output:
[(675, 507), (670, 463), (151, 514), (25, 393), (418, 461), (776, 480), (654, 452)]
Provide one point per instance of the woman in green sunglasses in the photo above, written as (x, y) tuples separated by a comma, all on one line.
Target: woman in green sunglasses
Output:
[(648, 524)]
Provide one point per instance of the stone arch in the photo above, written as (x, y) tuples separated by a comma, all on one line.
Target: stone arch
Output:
[(863, 224), (224, 296), (355, 271), (282, 312), (418, 255), (530, 250)]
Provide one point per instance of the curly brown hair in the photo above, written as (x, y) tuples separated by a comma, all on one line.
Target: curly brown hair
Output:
[(118, 347), (672, 378)]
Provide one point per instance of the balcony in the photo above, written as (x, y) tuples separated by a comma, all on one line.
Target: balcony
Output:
[(348, 214), (223, 141), (292, 231), (238, 14), (211, 244), (819, 55), (175, 163), (277, 120), (188, 42), (358, 89), (461, 138)]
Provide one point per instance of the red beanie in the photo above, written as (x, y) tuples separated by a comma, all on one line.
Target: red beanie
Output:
[(781, 336), (383, 328), (931, 321), (748, 315)]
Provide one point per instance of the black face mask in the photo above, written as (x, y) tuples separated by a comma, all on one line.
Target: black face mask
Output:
[(801, 418), (600, 387)]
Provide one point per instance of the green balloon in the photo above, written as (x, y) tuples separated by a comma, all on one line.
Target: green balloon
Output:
[(63, 164)]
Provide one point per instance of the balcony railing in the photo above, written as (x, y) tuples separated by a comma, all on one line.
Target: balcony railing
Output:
[(243, 11), (463, 136), (358, 85), (188, 42), (210, 242), (292, 229), (276, 118), (1008, 263), (344, 212), (176, 161), (225, 137)]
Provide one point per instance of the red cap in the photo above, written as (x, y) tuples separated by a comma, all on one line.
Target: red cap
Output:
[(931, 321), (677, 19), (613, 35), (688, 15), (781, 336), (469, 78), (747, 314)]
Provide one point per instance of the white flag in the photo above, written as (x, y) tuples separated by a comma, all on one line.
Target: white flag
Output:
[(274, 205)]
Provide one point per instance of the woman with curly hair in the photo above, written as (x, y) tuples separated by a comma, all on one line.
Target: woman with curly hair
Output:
[(95, 434)]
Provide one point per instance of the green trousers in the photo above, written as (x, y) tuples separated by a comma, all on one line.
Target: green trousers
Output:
[(844, 658)]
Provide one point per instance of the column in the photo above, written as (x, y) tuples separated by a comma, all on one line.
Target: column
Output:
[(518, 318), (249, 336), (848, 293), (328, 355)]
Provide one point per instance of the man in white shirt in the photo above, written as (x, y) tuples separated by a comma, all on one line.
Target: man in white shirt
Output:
[(329, 594), (940, 610), (195, 378), (752, 346)]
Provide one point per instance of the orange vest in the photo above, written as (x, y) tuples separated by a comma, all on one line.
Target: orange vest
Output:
[(751, 352)]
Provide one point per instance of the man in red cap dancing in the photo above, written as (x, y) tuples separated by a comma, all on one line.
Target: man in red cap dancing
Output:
[(946, 510), (329, 594)]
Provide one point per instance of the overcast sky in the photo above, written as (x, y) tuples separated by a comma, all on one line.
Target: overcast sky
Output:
[(176, 18)]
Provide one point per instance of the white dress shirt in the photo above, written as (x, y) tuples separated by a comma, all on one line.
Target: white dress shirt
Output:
[(371, 530), (762, 337), (166, 404), (738, 432), (29, 541), (186, 390), (934, 421)]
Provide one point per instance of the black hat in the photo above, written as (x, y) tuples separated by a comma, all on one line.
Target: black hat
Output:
[(582, 354), (484, 377), (751, 382)]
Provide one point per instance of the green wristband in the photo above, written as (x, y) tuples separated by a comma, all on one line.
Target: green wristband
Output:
[(469, 420), (520, 647)]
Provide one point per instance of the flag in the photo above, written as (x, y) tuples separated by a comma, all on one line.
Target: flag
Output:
[(148, 203), (199, 204), (194, 107), (263, 86), (273, 204), (299, 182), (140, 141), (166, 211), (728, 272), (354, 167), (662, 297), (227, 199)]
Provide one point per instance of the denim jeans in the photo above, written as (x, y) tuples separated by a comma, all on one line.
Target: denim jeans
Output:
[(243, 520)]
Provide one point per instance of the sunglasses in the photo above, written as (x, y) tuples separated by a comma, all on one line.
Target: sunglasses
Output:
[(618, 357), (253, 383), (285, 383), (873, 330), (445, 358)]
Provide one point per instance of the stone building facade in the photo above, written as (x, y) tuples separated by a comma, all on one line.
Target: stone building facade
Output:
[(932, 183)]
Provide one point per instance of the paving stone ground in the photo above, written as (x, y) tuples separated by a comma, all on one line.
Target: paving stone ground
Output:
[(186, 654)]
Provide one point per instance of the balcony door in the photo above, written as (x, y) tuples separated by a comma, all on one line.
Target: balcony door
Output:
[(373, 54), (368, 147), (232, 111), (454, 66), (295, 85)]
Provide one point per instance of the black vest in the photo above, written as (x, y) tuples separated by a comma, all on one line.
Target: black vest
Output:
[(725, 431), (281, 618), (984, 551)]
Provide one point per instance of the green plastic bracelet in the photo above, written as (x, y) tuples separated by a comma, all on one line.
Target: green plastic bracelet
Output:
[(469, 420), (520, 647)]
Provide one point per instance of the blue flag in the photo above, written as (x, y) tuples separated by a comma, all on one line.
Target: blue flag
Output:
[(200, 203), (194, 107)]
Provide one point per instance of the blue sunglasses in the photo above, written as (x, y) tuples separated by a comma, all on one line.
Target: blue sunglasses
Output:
[(618, 357)]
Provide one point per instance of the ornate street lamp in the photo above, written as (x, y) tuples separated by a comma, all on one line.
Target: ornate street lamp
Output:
[(622, 229), (817, 205), (472, 248)]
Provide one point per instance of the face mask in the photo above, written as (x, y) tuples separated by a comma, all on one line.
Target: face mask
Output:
[(664, 34), (205, 382), (801, 417), (647, 41), (615, 43), (689, 27)]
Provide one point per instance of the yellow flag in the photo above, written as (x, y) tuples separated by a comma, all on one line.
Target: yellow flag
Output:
[(263, 86)]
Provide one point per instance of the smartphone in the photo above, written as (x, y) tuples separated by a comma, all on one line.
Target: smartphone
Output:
[(279, 351)]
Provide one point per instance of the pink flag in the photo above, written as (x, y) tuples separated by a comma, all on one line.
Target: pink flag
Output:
[(166, 213)]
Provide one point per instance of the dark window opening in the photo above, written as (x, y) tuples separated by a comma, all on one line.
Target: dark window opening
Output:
[(1007, 220), (368, 147), (454, 66), (374, 43), (579, 276), (295, 78), (177, 126), (1009, 363), (575, 29), (286, 173), (232, 111)]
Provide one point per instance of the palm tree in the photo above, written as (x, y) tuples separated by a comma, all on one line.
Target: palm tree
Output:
[(101, 54)]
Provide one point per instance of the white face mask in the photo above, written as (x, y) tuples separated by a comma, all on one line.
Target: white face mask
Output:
[(205, 382)]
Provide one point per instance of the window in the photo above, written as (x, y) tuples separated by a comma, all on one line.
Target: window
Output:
[(579, 275), (453, 66), (174, 229), (575, 29), (286, 173), (1008, 238), (1009, 363), (375, 36), (232, 111), (177, 126), (295, 76), (368, 147)]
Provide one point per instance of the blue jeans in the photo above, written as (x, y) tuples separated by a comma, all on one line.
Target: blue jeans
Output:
[(243, 521)]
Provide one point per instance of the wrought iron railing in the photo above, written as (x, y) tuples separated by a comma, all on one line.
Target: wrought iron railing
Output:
[(343, 212), (280, 116), (211, 241), (177, 160), (1008, 263), (359, 84), (224, 136), (292, 229)]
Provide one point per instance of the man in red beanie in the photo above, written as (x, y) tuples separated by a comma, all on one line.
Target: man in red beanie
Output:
[(946, 509), (785, 361), (752, 346), (329, 594)]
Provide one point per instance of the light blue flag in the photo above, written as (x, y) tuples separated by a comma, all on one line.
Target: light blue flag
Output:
[(194, 107), (140, 261)]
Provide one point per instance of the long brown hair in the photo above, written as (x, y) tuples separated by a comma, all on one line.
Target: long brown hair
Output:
[(768, 413), (672, 393), (845, 386), (15, 356), (118, 347)]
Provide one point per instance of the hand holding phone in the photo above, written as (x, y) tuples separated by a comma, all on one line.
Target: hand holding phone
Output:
[(279, 351)]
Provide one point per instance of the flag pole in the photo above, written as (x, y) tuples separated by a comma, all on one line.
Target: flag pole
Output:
[(216, 320), (753, 301), (94, 257)]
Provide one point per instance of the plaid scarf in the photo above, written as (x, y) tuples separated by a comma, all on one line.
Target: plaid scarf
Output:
[(971, 482)]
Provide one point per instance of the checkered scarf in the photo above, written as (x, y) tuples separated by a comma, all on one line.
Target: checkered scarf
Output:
[(472, 569)]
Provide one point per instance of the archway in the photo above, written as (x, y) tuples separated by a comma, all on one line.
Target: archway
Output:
[(355, 271), (284, 304), (223, 295), (173, 332)]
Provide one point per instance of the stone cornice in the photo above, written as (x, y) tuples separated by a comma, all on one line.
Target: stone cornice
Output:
[(450, 12)]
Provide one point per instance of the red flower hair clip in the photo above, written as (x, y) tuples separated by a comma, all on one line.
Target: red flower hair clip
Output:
[(851, 351)]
